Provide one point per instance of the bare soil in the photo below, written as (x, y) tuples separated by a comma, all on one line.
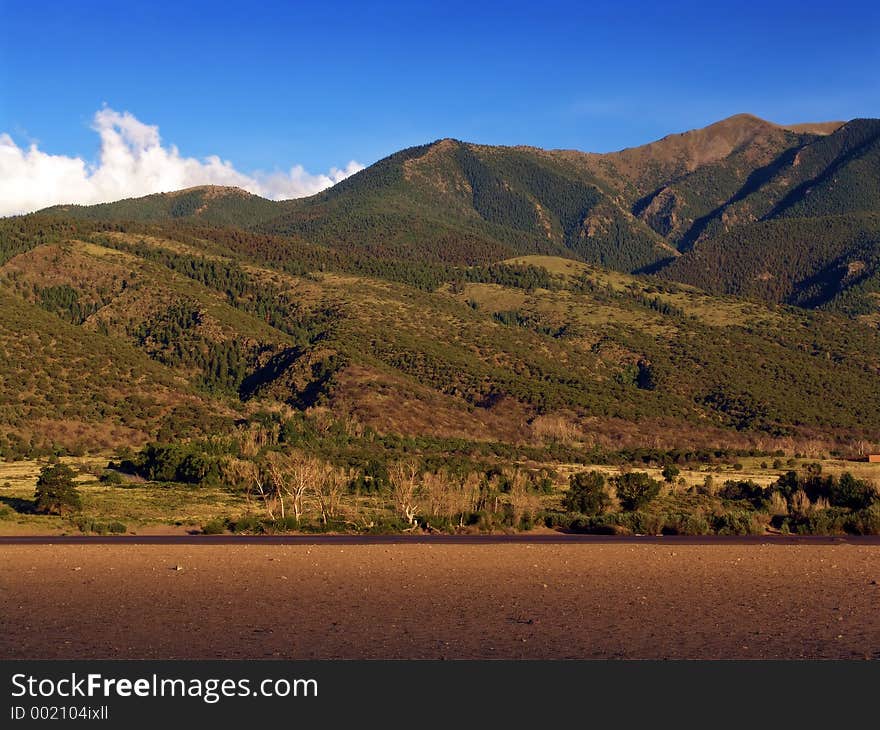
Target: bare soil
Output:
[(425, 601)]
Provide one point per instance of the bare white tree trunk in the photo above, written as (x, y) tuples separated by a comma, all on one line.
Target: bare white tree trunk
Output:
[(248, 474), (278, 480), (405, 478)]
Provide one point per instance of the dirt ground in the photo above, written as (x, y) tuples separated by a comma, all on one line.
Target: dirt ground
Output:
[(440, 601)]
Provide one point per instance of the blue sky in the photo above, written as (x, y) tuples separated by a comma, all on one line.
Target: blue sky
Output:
[(270, 85)]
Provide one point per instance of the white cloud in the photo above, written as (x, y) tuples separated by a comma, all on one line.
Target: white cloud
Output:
[(133, 162)]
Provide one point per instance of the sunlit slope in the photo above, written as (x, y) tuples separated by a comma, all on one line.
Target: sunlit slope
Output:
[(479, 352), (706, 207), (593, 343), (63, 386)]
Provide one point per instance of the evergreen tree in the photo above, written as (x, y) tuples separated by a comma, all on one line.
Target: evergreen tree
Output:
[(635, 489), (586, 493), (56, 492)]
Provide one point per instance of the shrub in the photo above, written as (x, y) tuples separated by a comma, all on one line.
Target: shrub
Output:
[(753, 493), (508, 515), (545, 485), (440, 523), (864, 522), (371, 477), (557, 519), (606, 524), (696, 524), (485, 520), (198, 469), (825, 522), (787, 484), (670, 471), (635, 489), (175, 462), (847, 492), (777, 504), (644, 523), (110, 476), (852, 493), (87, 524), (707, 488), (383, 525), (217, 526), (288, 523), (586, 493), (247, 523), (159, 462), (736, 523), (56, 492)]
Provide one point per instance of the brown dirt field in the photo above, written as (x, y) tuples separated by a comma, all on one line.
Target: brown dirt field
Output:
[(440, 601)]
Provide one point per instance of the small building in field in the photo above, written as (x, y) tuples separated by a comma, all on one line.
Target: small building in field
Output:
[(874, 458)]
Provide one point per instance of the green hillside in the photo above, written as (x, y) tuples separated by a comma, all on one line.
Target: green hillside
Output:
[(447, 202), (512, 352), (211, 204), (832, 175), (458, 203), (501, 294), (712, 207), (66, 389), (803, 261)]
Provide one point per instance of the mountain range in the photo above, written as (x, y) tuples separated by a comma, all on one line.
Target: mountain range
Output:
[(720, 286)]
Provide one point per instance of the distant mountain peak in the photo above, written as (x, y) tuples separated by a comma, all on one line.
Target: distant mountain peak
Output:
[(746, 120), (635, 210), (819, 128), (211, 191)]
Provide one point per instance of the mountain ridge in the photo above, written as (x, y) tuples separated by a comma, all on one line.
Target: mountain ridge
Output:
[(641, 209)]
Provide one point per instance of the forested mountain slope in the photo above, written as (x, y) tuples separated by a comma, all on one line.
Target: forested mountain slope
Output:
[(228, 324), (718, 286), (712, 207)]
